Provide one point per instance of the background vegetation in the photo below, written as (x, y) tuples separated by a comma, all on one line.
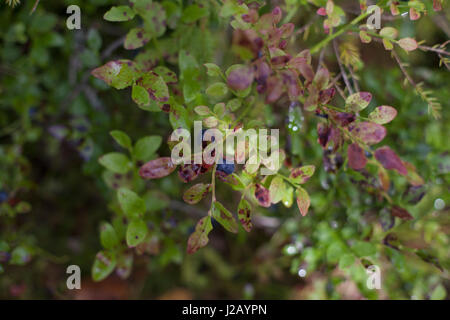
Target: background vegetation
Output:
[(59, 204)]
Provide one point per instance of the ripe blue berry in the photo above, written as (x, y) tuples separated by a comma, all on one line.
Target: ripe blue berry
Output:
[(225, 168), (3, 196)]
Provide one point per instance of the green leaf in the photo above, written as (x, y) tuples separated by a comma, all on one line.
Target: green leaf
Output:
[(202, 110), (335, 252), (301, 175), (196, 193), (132, 205), (155, 86), (119, 74), (358, 101), (346, 261), (217, 90), (244, 214), (189, 75), (104, 264), (224, 217), (140, 96), (288, 197), (108, 236), (234, 104), (155, 19), (303, 200), (213, 70), (407, 44), (116, 162), (383, 114), (277, 189), (21, 255), (120, 13), (389, 32), (146, 147), (168, 75), (136, 232), (193, 13), (363, 248), (136, 38), (121, 138), (199, 238), (388, 44), (439, 293), (219, 109)]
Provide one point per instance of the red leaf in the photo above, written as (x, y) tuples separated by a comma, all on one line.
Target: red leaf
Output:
[(199, 238), (401, 213), (262, 195), (368, 132), (356, 158), (189, 172), (157, 168), (303, 201), (240, 78), (390, 160)]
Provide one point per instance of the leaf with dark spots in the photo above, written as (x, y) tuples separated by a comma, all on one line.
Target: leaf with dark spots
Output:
[(157, 168), (343, 118), (196, 193), (368, 132), (262, 71), (389, 160), (356, 158), (224, 217), (262, 196), (305, 70), (280, 60), (189, 172), (168, 75), (240, 78), (136, 38), (301, 175), (303, 201), (155, 86), (199, 238), (323, 133), (383, 114), (326, 95), (358, 101), (118, 74), (244, 214), (401, 213)]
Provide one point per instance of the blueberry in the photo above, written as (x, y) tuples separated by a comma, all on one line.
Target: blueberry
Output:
[(213, 138), (3, 196), (225, 168)]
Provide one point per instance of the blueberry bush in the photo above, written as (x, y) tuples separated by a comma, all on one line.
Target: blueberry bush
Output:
[(86, 125)]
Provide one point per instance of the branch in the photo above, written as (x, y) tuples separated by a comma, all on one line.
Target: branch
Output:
[(344, 75)]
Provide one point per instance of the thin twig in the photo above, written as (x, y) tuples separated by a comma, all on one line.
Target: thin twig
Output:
[(402, 68), (344, 75), (354, 79)]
